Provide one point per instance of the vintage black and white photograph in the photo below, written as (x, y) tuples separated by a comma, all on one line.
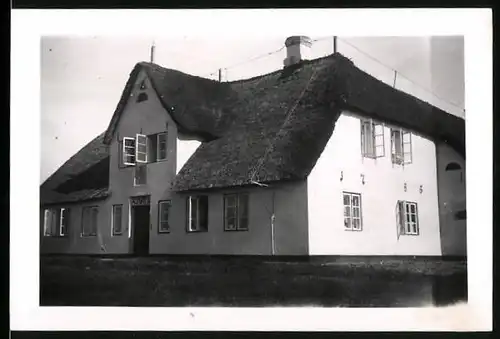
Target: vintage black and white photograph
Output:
[(323, 171), (304, 173)]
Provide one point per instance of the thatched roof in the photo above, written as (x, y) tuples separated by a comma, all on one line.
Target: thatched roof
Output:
[(268, 128), (84, 176), (283, 120)]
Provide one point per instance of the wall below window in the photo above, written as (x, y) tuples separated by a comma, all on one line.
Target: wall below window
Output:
[(383, 187)]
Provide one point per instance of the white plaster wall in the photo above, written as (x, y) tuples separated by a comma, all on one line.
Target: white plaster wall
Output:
[(384, 186), (185, 149)]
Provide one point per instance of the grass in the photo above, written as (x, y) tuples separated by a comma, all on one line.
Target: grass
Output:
[(248, 282)]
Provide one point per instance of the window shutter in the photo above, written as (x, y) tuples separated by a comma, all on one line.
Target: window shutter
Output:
[(141, 148), (379, 141), (65, 220), (46, 222), (128, 151), (362, 138), (406, 147), (400, 218)]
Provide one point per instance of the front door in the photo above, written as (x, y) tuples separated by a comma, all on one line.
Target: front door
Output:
[(140, 224)]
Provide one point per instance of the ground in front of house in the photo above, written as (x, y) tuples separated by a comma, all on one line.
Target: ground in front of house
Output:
[(250, 281)]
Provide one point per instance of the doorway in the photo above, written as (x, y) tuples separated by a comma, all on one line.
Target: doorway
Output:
[(140, 227)]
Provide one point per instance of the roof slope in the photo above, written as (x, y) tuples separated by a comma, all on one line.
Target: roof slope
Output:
[(263, 129), (283, 121), (194, 103), (83, 177)]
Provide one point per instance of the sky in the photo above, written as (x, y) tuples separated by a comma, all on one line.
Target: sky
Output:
[(82, 78)]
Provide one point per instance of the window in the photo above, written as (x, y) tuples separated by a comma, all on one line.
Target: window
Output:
[(197, 213), (140, 175), (56, 221), (161, 147), (128, 151), (157, 147), (141, 149), (144, 148), (89, 221), (142, 97), (236, 212), (407, 215), (352, 211), (117, 219), (400, 147), (163, 211), (372, 139)]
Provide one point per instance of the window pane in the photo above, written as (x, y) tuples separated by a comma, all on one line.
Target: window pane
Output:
[(164, 226), (355, 212), (407, 208), (347, 222), (129, 142), (231, 223), (347, 211), (243, 206), (243, 224), (117, 219), (347, 199), (412, 208), (95, 212), (203, 212), (406, 137), (355, 200), (414, 228), (413, 218), (356, 223)]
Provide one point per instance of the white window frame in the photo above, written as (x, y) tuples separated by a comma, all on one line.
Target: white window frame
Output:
[(377, 139), (51, 215), (351, 208), (168, 204), (158, 146), (125, 155), (405, 147), (47, 232), (138, 153), (61, 218), (405, 226), (238, 218), (113, 233)]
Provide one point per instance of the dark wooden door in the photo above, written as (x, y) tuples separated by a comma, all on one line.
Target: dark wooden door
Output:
[(141, 229)]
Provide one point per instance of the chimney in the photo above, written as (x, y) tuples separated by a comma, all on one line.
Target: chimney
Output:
[(298, 48), (152, 52)]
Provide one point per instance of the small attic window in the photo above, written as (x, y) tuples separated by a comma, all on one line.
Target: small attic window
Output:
[(142, 97), (453, 166)]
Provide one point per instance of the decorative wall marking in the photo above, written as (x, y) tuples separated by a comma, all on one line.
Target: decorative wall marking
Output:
[(421, 189), (405, 187), (341, 175), (363, 179)]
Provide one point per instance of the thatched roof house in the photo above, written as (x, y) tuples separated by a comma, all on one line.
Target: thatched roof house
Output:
[(268, 128)]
